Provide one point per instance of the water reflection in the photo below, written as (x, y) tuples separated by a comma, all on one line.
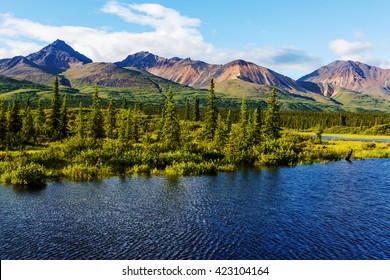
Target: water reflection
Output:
[(332, 211), (29, 189)]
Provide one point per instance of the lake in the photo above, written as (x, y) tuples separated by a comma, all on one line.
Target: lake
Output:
[(338, 210), (332, 137)]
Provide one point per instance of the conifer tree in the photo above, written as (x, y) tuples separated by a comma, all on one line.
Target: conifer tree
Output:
[(3, 122), (54, 118), (40, 122), (125, 103), (171, 128), (123, 126), (196, 109), (136, 125), (220, 135), (14, 121), (129, 126), (187, 113), (64, 129), (228, 122), (272, 117), (80, 122), (256, 125), (96, 119), (243, 120), (28, 131), (111, 120), (211, 113)]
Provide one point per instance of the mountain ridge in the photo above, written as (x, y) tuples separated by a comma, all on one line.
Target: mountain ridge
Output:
[(144, 70)]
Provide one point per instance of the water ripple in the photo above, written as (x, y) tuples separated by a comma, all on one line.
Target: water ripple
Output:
[(333, 211)]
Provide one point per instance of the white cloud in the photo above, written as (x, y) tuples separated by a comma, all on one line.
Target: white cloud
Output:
[(350, 50), (172, 34)]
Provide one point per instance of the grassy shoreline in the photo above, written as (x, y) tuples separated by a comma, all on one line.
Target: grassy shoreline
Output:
[(85, 160)]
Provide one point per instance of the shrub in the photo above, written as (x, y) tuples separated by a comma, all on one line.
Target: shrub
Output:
[(31, 174), (369, 146)]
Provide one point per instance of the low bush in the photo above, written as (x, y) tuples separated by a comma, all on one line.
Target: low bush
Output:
[(31, 174)]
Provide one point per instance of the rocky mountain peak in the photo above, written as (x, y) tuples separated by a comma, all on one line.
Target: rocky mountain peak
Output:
[(58, 55)]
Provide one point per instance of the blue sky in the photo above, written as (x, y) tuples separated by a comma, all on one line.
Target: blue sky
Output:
[(290, 37)]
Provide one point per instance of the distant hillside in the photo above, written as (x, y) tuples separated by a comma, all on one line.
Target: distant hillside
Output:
[(111, 75), (22, 68), (351, 75)]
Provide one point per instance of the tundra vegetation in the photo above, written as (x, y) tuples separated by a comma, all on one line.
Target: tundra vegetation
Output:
[(87, 143)]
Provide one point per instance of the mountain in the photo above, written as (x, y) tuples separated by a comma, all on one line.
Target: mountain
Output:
[(353, 76), (198, 73), (58, 56), (114, 76)]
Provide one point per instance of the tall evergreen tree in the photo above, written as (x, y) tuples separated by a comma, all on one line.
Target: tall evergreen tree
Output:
[(196, 109), (187, 113), (3, 122), (229, 122), (14, 121), (96, 128), (28, 131), (123, 126), (221, 134), (40, 122), (80, 122), (64, 128), (256, 125), (243, 119), (111, 120), (125, 103), (54, 118), (211, 113), (171, 128), (136, 127), (129, 126), (272, 117)]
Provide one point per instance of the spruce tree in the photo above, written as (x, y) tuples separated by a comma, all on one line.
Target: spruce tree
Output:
[(96, 128), (64, 129), (171, 128), (187, 113), (40, 122), (221, 134), (3, 122), (256, 125), (14, 124), (123, 126), (136, 125), (129, 126), (196, 109), (111, 120), (272, 117), (14, 121), (28, 131), (243, 120), (54, 118), (80, 122), (211, 113), (229, 122)]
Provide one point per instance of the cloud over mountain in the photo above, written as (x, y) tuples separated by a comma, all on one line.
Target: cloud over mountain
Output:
[(169, 34)]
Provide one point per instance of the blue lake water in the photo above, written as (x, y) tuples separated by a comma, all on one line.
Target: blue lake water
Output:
[(332, 211), (356, 139)]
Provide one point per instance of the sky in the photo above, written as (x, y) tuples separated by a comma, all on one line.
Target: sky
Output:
[(290, 37)]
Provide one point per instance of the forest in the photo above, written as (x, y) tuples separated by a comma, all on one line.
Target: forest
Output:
[(87, 143)]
